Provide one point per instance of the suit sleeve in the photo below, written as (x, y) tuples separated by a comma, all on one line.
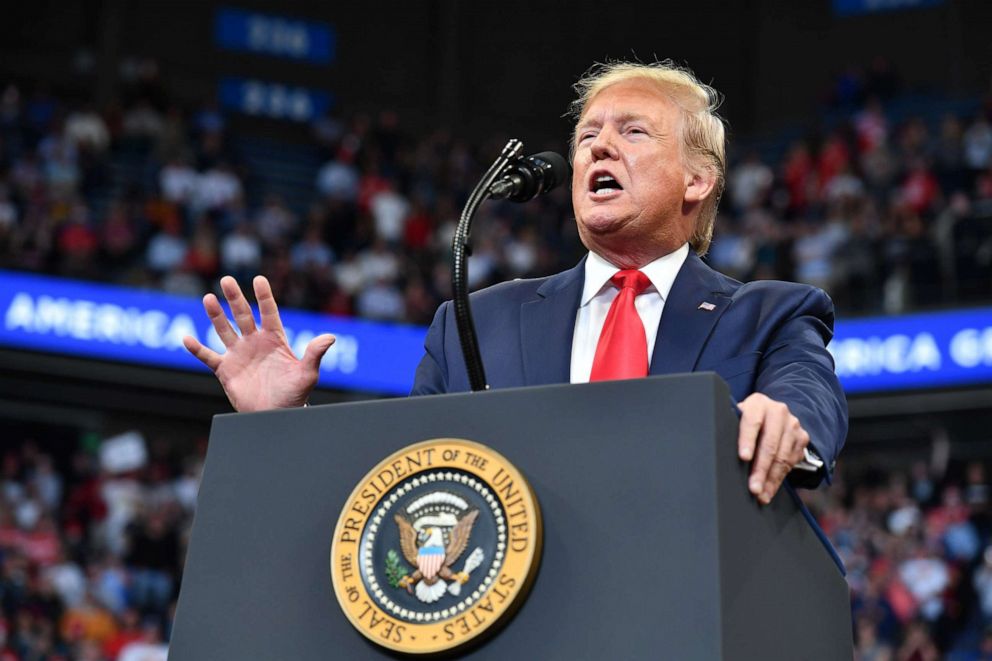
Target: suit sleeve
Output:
[(797, 369), (432, 373)]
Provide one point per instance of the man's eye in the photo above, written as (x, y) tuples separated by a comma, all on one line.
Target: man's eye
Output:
[(586, 136), (636, 130)]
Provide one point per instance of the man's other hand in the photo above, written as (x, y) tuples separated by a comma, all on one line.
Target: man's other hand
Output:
[(773, 438), (259, 370)]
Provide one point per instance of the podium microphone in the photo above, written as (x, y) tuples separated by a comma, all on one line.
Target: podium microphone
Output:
[(530, 176), (518, 178)]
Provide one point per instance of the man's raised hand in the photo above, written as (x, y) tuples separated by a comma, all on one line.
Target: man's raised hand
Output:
[(259, 370)]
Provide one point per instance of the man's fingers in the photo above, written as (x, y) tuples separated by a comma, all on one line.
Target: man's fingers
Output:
[(747, 436), (772, 428), (267, 307), (219, 320), (206, 356), (239, 305), (316, 349), (790, 450), (762, 463), (776, 475)]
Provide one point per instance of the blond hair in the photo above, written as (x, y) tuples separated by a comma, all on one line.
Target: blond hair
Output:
[(702, 129)]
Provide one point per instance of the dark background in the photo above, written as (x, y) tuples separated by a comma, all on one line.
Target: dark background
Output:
[(508, 66)]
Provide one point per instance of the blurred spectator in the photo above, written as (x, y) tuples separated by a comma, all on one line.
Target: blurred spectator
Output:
[(275, 222), (217, 187), (143, 123), (86, 129), (68, 580), (978, 144), (61, 173), (920, 189), (926, 576), (378, 263), (917, 645), (119, 240), (166, 250), (149, 647), (209, 119), (381, 300), (872, 126), (311, 253), (914, 140), (732, 252), (844, 186), (327, 131), (129, 632), (203, 257), (868, 647), (834, 158), (797, 174), (241, 252), (338, 180), (172, 138), (389, 211), (152, 557), (815, 249), (178, 181), (749, 182), (88, 621), (983, 584), (949, 155), (78, 243)]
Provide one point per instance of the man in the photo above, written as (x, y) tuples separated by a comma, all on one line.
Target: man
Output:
[(648, 169)]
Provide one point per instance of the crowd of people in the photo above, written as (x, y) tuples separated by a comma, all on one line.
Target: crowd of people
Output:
[(917, 545), (91, 550), (870, 210)]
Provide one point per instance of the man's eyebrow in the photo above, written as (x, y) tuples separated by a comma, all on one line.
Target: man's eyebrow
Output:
[(586, 123), (622, 118)]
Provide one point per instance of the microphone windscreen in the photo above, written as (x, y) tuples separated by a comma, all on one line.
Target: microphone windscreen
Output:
[(559, 171)]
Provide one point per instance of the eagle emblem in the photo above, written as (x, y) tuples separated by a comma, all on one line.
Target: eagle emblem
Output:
[(425, 558), (432, 544)]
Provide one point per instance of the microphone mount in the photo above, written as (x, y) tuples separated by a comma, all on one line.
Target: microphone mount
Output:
[(461, 249)]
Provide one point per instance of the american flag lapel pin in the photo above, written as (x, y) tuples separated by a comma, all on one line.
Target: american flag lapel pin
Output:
[(706, 305)]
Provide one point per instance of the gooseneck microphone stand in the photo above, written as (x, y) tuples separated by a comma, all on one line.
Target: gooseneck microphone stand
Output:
[(460, 250)]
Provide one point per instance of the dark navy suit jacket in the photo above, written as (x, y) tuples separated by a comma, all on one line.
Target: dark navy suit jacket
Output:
[(765, 336)]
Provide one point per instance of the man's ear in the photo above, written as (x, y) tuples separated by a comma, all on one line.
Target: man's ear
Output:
[(699, 185)]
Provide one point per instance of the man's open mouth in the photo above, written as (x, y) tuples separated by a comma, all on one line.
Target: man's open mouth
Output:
[(603, 184)]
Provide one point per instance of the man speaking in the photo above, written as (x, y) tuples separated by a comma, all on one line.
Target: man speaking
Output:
[(648, 156)]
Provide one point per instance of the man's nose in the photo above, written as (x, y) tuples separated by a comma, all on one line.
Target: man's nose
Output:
[(604, 145)]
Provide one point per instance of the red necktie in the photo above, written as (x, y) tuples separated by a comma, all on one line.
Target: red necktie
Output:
[(622, 351)]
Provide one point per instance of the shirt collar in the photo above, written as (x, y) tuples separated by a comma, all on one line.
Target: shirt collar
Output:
[(661, 272)]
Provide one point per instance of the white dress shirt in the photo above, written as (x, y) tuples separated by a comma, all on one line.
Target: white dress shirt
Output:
[(598, 294)]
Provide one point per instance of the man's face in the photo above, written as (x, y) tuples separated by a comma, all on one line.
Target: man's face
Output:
[(628, 183)]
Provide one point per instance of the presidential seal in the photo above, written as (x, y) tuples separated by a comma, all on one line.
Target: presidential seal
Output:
[(438, 544)]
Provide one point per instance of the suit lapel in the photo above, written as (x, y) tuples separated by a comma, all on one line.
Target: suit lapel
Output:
[(685, 326), (547, 325)]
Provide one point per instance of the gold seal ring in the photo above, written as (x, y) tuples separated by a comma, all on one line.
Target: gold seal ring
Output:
[(437, 545)]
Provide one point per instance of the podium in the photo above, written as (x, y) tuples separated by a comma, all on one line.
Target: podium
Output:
[(652, 545)]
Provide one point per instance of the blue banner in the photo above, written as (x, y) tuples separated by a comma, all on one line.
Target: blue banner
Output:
[(855, 7), (279, 36), (275, 100), (41, 313), (933, 350), (53, 315)]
